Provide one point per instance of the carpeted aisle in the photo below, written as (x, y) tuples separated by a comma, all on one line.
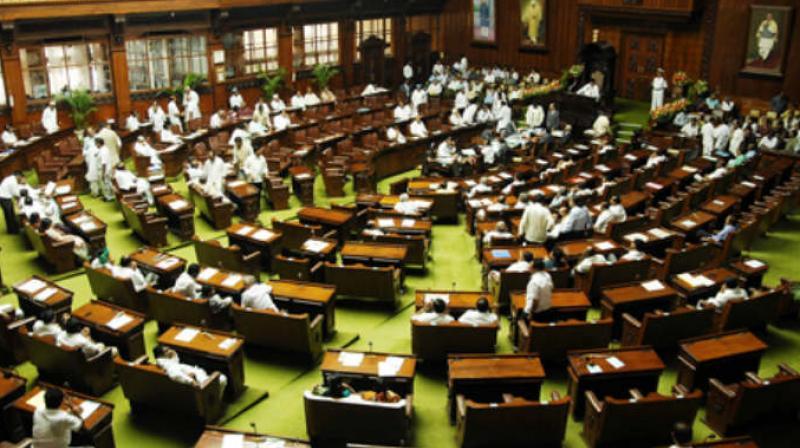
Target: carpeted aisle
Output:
[(361, 327)]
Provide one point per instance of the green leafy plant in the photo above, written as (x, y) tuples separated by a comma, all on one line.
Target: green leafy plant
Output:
[(697, 90), (570, 74), (81, 106), (323, 73), (271, 83), (191, 80)]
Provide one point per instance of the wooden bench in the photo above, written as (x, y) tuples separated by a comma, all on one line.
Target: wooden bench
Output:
[(296, 233), (663, 330), (297, 268), (358, 281), (754, 313), (736, 407), (293, 333), (168, 308), (687, 259), (639, 421), (434, 342), (332, 422), (605, 275), (232, 258), (218, 212), (12, 351), (510, 281), (60, 365), (151, 228), (513, 422), (552, 340), (58, 255), (148, 389), (119, 292), (417, 246)]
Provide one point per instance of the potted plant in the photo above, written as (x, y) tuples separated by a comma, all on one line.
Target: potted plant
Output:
[(323, 73), (270, 84), (81, 106), (191, 80)]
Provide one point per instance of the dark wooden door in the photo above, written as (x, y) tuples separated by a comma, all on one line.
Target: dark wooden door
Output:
[(643, 54), (373, 61)]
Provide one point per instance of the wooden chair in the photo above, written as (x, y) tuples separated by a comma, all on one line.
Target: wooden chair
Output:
[(754, 313), (297, 268), (58, 255), (218, 212), (293, 333), (12, 352), (510, 281), (277, 193), (296, 233), (417, 246), (732, 409), (552, 340), (334, 180), (688, 259), (639, 421), (434, 342), (168, 308), (358, 281), (151, 228), (606, 275), (663, 330), (110, 289), (232, 258), (332, 422), (148, 389), (513, 422), (60, 365)]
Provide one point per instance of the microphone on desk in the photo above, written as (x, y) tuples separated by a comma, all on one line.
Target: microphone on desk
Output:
[(370, 346), (453, 288)]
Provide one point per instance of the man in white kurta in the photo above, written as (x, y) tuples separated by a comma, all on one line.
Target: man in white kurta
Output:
[(191, 104), (659, 87), (111, 140), (534, 117), (50, 118), (236, 100), (173, 112), (91, 157)]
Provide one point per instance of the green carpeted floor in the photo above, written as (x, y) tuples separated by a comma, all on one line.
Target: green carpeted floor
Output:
[(362, 327)]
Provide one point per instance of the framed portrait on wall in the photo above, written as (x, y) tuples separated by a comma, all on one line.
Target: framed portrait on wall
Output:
[(484, 21), (768, 40), (533, 24)]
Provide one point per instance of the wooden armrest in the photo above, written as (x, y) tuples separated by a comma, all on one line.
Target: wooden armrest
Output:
[(316, 267), (753, 377), (17, 324), (555, 396), (317, 321), (680, 389), (252, 256), (631, 320), (636, 394), (785, 368), (461, 405), (593, 402), (723, 389), (106, 352)]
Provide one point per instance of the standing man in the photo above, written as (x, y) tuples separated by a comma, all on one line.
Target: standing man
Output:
[(112, 141), (52, 426), (50, 118), (408, 72), (536, 221), (191, 104), (9, 190), (659, 86)]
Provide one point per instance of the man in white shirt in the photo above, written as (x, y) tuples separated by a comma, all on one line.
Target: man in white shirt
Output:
[(402, 111), (167, 359), (590, 258), (590, 90), (470, 114), (418, 98), (132, 123), (112, 141), (536, 221), (191, 104), (659, 87), (217, 119), (311, 98), (614, 213), (692, 128), (417, 128), (722, 135), (127, 181), (129, 270), (106, 160), (481, 315), (52, 426), (539, 291), (446, 152), (534, 117), (46, 325), (173, 111), (601, 127), (707, 131), (50, 118), (187, 284), (156, 116), (730, 291), (298, 101), (737, 138), (282, 121), (142, 148), (255, 169), (436, 315), (236, 100), (406, 206), (75, 335), (504, 118), (461, 100), (500, 231), (277, 104), (395, 136), (9, 138), (9, 191), (408, 72), (435, 89), (258, 296)]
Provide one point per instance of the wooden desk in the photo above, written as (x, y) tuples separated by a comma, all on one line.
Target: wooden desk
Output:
[(565, 304), (214, 437), (69, 204), (224, 281), (306, 297), (722, 205), (12, 386), (501, 257), (339, 220), (457, 301), (128, 337), (367, 372), (693, 222), (247, 197), (695, 292), (179, 212), (303, 183), (636, 300), (374, 254), (166, 266), (37, 294), (96, 430), (89, 227), (575, 249), (486, 378), (751, 269), (326, 250), (211, 350), (404, 226), (254, 238), (726, 357), (641, 370)]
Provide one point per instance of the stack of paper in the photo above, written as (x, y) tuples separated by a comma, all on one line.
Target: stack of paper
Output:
[(407, 223), (119, 321), (88, 407), (45, 294), (227, 343), (604, 245), (167, 263), (88, 226), (36, 401), (231, 280), (615, 362), (63, 189), (236, 183), (244, 230), (178, 204), (207, 273), (233, 441), (594, 368), (350, 359), (636, 236), (385, 222), (755, 264), (659, 233), (263, 235), (31, 286), (390, 366), (315, 245), (688, 223), (431, 297), (187, 334), (653, 285)]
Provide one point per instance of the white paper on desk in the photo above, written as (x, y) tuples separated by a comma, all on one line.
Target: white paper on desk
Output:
[(302, 176), (168, 263), (315, 245), (615, 362), (748, 184), (36, 401), (233, 441), (702, 280), (187, 334), (263, 235), (755, 264), (594, 368), (119, 321), (428, 298), (244, 230), (227, 343), (653, 285), (690, 169), (88, 226), (630, 157), (45, 294), (474, 203), (654, 185), (32, 285), (385, 222), (602, 168), (688, 223), (659, 233), (470, 182), (272, 443), (207, 273), (390, 366), (63, 189), (81, 219), (408, 223), (178, 204), (87, 408), (604, 245), (231, 280), (636, 236), (236, 183), (505, 175), (718, 202), (350, 359)]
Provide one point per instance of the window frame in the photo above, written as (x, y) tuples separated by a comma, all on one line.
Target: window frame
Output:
[(325, 49), (269, 63), (34, 61), (385, 33), (163, 57)]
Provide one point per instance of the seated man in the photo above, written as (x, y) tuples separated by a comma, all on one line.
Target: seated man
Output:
[(600, 128), (53, 426), (500, 231), (128, 269), (216, 302), (590, 257), (446, 152), (406, 206), (187, 284), (729, 291), (257, 295), (578, 218), (144, 149), (481, 315), (433, 313), (167, 359), (46, 325), (57, 233), (722, 234), (635, 251), (590, 90), (127, 181), (417, 128), (77, 336), (614, 213)]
